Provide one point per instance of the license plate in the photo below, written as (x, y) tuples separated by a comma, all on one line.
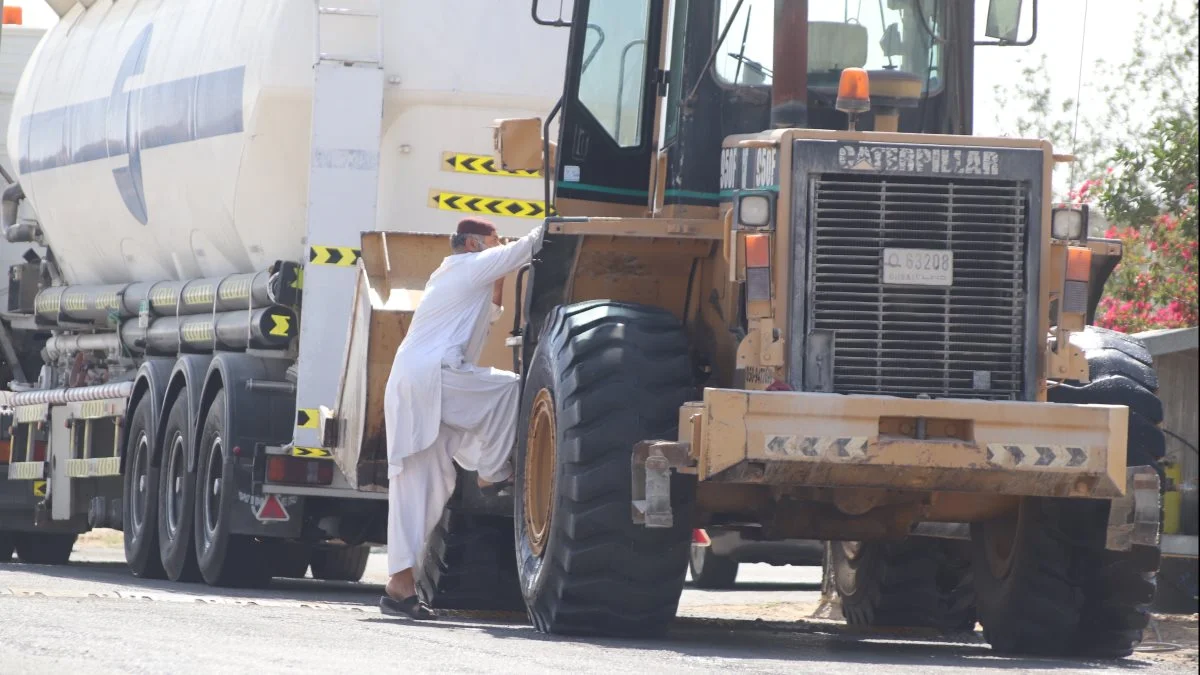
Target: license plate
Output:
[(918, 267)]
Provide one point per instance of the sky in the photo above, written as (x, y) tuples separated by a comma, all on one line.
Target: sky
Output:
[(1061, 34)]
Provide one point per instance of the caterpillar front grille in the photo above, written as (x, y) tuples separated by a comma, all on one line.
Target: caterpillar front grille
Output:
[(964, 340)]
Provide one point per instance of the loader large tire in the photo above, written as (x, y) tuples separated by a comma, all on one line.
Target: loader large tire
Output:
[(468, 562), (603, 376), (1045, 582), (918, 582)]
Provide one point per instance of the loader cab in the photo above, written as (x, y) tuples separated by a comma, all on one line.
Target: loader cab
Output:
[(654, 86)]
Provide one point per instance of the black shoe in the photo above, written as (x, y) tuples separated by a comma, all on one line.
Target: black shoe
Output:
[(409, 608)]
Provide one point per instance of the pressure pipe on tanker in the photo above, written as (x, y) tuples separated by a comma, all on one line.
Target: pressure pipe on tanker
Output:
[(13, 231), (102, 304), (265, 328)]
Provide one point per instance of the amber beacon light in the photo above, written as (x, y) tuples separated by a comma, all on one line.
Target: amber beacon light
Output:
[(854, 93), (13, 16)]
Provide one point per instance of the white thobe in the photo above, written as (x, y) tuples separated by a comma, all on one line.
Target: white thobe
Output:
[(440, 407)]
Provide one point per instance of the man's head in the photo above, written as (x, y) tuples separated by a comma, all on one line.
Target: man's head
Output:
[(473, 235)]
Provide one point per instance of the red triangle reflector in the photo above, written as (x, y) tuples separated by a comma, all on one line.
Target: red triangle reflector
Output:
[(272, 509), (700, 537)]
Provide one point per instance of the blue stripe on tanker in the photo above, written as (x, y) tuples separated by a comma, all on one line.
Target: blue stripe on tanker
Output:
[(173, 112), (128, 122)]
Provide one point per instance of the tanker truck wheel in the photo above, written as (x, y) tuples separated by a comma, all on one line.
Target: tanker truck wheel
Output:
[(1044, 581), (711, 571), (917, 582), (139, 512), (340, 564), (225, 559), (177, 497), (468, 561), (604, 376), (288, 560), (45, 549)]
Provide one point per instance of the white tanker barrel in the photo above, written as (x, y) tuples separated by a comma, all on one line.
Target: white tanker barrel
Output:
[(107, 304), (172, 140), (265, 328)]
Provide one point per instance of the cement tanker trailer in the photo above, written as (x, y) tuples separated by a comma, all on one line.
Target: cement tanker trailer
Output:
[(240, 203)]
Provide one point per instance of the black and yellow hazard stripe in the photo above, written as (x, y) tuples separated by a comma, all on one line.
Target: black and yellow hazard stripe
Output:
[(495, 206), (311, 453), (39, 488), (281, 325), (308, 418), (339, 256), (461, 162)]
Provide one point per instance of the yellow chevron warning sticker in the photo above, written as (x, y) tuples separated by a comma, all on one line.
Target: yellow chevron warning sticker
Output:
[(39, 488), (461, 162), (281, 325), (341, 256), (308, 418), (311, 453), (298, 282), (496, 206)]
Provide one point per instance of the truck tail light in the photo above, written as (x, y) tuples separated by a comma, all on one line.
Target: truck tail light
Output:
[(296, 471)]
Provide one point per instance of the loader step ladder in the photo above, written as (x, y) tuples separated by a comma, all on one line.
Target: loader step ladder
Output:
[(343, 180)]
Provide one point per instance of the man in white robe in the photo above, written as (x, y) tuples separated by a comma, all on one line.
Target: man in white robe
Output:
[(441, 407)]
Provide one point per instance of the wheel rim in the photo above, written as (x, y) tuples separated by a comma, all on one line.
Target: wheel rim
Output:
[(141, 465), (174, 485), (540, 457), (214, 470), (1000, 538), (847, 582)]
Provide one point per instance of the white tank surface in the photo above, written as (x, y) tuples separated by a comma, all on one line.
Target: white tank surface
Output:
[(169, 139)]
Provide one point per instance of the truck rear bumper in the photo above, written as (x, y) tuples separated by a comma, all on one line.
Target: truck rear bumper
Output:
[(833, 440)]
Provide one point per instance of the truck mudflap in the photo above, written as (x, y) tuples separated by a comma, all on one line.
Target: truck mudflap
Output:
[(834, 440)]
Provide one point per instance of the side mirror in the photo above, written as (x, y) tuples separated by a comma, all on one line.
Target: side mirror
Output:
[(517, 144), (1003, 24), (1003, 20), (892, 43), (563, 20)]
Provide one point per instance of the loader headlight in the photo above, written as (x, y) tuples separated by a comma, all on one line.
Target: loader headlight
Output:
[(755, 210), (1069, 223)]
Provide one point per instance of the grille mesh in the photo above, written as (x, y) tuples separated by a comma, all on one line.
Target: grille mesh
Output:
[(912, 340)]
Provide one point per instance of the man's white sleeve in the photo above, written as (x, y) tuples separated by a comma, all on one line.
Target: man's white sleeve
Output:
[(495, 313), (500, 261)]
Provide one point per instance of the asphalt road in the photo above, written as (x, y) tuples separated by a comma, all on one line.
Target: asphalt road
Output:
[(92, 617)]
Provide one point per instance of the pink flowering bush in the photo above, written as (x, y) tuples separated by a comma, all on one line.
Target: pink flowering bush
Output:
[(1149, 194)]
